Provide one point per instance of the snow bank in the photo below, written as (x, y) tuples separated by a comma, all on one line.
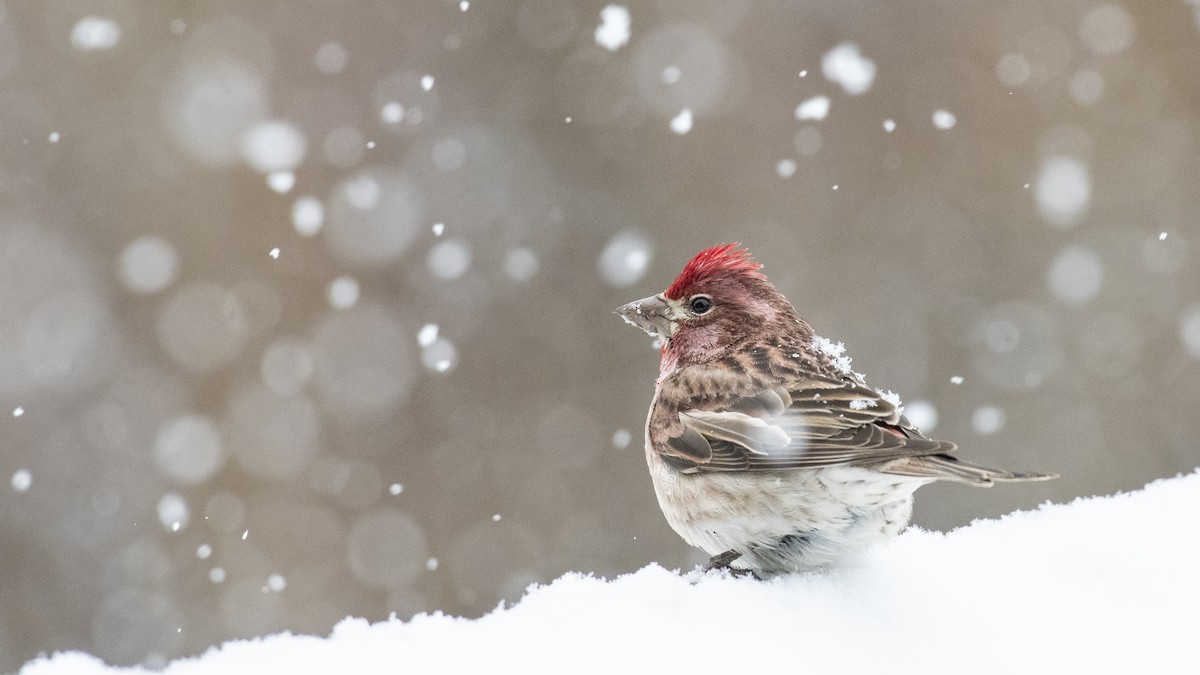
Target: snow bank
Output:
[(1099, 585)]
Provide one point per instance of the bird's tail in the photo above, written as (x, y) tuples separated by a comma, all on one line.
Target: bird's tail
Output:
[(948, 467)]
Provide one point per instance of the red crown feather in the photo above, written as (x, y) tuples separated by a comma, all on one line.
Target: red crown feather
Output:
[(709, 262)]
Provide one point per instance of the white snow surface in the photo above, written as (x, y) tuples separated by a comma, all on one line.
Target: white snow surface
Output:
[(1101, 585)]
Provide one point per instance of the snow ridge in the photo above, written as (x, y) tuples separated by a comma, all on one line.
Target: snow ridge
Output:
[(1046, 591)]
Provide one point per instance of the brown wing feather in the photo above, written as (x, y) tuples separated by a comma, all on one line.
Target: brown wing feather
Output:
[(830, 421)]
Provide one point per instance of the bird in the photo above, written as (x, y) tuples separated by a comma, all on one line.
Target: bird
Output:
[(766, 449)]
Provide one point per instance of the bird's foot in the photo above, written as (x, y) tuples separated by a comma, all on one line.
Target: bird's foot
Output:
[(722, 561)]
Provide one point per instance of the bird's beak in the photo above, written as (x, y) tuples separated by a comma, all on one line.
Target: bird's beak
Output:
[(651, 314)]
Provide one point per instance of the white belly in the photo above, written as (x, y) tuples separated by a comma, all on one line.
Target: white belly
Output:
[(782, 521)]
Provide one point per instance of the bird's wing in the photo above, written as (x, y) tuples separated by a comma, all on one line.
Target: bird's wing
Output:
[(811, 423)]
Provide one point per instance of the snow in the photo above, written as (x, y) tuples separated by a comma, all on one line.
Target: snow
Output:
[(1189, 330), (521, 264), (392, 112), (308, 215), (922, 414), (1086, 87), (331, 58), (148, 265), (22, 480), (427, 335), (893, 398), (1063, 190), (273, 145), (1076, 275), (188, 449), (439, 355), (449, 259), (987, 420), (342, 292), (95, 33), (625, 259), (1106, 30), (1013, 69), (815, 108), (844, 65), (621, 438), (613, 31), (1046, 591), (834, 350), (682, 123), (944, 119), (281, 182), (173, 511)]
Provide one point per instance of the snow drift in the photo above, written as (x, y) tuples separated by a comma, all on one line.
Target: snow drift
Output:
[(1098, 585)]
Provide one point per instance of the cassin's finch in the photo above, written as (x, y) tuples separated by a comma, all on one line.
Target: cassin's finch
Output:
[(766, 450)]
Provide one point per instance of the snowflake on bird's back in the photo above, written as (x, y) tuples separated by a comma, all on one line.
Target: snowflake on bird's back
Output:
[(836, 351)]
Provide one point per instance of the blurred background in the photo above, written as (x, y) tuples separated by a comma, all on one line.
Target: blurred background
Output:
[(306, 306)]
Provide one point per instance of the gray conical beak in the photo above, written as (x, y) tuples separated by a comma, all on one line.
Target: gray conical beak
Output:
[(651, 314)]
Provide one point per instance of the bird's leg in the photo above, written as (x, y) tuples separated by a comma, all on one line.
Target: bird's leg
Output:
[(722, 561)]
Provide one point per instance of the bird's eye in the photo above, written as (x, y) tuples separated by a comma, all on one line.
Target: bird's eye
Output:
[(701, 304)]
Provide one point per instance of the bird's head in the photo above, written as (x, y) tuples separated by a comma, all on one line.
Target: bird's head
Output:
[(719, 300)]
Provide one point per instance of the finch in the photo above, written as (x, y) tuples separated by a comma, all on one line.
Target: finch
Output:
[(766, 449)]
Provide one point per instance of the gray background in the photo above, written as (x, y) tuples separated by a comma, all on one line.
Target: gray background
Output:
[(179, 387)]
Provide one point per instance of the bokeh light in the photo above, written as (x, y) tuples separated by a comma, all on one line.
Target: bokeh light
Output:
[(188, 449), (271, 436), (1076, 275), (386, 547), (625, 259), (1063, 190), (846, 66), (148, 265), (273, 146), (308, 215), (362, 365), (210, 105), (203, 326), (373, 217), (286, 366), (95, 33)]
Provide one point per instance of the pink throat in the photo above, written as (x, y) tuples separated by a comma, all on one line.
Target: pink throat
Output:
[(670, 359)]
